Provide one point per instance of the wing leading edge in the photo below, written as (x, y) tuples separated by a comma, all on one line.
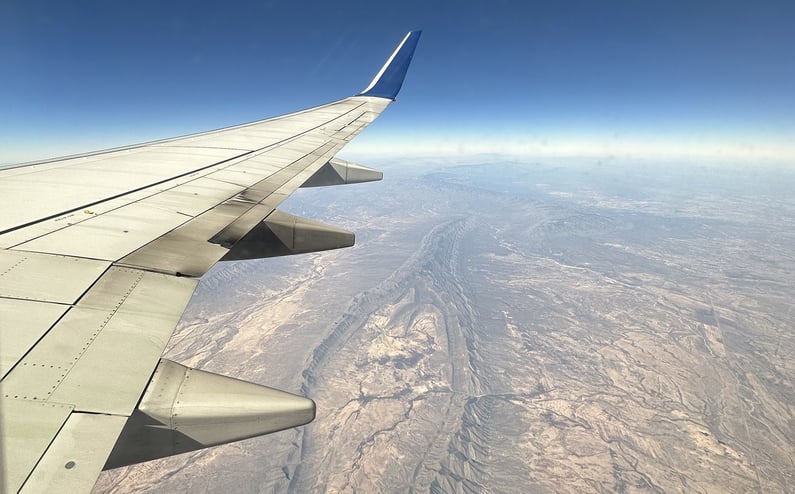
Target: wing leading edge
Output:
[(110, 261)]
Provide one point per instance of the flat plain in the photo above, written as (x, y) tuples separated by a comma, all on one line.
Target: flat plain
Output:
[(513, 326)]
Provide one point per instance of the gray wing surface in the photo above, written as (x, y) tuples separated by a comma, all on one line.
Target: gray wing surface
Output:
[(99, 255)]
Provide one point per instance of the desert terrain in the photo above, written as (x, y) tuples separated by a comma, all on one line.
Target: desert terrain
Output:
[(513, 326)]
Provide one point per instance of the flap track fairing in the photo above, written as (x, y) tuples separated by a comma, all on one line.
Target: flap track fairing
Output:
[(340, 172), (283, 234), (186, 409)]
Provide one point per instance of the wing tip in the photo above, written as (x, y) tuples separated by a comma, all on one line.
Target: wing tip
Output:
[(388, 81)]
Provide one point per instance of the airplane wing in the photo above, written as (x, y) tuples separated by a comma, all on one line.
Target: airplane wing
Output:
[(99, 255)]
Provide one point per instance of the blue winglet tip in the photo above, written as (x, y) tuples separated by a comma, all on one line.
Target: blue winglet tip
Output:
[(389, 80)]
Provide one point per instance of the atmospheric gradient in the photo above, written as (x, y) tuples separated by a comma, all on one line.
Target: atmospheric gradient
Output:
[(687, 80)]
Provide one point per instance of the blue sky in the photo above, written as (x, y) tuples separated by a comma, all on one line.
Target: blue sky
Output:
[(706, 79)]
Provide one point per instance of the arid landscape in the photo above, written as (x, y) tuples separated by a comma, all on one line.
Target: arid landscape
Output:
[(507, 326)]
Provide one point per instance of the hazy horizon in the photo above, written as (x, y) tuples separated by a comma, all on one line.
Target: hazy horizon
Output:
[(679, 78)]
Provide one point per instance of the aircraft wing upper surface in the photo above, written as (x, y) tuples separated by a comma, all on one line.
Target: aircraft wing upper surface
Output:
[(99, 255)]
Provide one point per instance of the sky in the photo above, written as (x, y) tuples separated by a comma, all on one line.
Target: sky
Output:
[(671, 79)]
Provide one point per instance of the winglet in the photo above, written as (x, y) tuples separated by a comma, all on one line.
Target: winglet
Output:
[(387, 83)]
